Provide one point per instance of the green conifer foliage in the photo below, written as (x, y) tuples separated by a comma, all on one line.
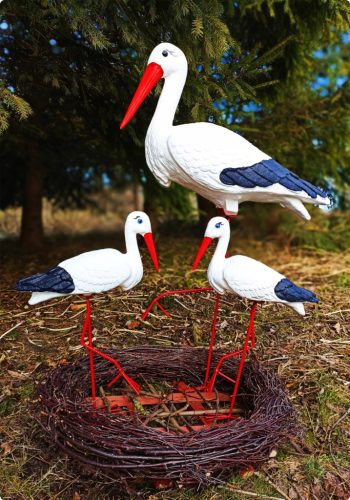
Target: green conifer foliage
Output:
[(69, 68)]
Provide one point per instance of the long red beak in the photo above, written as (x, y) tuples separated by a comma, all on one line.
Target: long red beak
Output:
[(151, 248), (205, 243), (151, 76)]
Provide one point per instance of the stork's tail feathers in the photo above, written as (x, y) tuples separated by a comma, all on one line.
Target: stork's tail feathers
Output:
[(37, 297), (298, 307), (297, 207)]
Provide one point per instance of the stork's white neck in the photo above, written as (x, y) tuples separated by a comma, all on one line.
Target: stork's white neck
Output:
[(132, 247), (168, 100), (134, 258), (217, 263)]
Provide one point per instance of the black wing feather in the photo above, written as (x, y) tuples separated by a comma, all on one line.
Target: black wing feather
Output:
[(287, 290), (56, 279), (266, 173)]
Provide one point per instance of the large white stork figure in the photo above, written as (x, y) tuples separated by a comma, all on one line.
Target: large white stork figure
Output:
[(213, 161), (249, 279), (95, 272)]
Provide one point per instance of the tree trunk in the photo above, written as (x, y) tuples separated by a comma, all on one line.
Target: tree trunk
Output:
[(207, 210), (136, 195), (32, 233), (150, 207)]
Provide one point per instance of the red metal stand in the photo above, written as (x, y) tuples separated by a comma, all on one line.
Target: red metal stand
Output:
[(250, 336), (92, 350), (205, 391), (196, 398), (155, 301), (212, 338), (208, 384)]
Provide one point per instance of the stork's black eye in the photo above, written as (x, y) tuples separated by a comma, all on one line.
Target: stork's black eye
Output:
[(218, 225), (139, 221), (165, 53)]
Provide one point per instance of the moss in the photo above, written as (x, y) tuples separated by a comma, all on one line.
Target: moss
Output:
[(26, 390), (12, 336), (331, 397), (254, 483), (329, 232), (7, 406), (12, 482), (343, 279), (313, 468)]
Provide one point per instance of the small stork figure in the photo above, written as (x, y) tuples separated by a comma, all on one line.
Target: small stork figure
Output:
[(249, 279), (213, 161), (96, 272)]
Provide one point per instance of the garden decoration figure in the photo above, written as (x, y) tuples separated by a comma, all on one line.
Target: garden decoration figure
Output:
[(213, 161), (249, 279), (96, 272)]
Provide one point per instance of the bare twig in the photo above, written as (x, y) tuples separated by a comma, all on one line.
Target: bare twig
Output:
[(249, 493), (11, 329)]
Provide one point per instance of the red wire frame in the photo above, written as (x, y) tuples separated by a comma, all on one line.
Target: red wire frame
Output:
[(249, 344), (250, 337), (209, 386), (92, 350), (170, 292)]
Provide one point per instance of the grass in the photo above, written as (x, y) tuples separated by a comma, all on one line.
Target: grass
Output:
[(310, 354), (343, 279), (313, 468), (7, 406)]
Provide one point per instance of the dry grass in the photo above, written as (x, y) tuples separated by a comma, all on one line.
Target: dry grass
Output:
[(310, 354), (56, 221)]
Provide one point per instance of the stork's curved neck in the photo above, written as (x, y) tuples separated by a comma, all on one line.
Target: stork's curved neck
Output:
[(168, 100), (132, 247), (217, 264), (219, 256)]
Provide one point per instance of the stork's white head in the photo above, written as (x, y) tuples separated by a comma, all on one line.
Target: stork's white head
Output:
[(165, 60), (170, 58), (139, 223), (216, 228)]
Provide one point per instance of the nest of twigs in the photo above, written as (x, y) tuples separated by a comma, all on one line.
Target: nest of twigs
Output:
[(123, 445)]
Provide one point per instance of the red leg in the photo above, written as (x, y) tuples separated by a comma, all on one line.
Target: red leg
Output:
[(250, 336), (244, 353), (87, 326), (212, 338)]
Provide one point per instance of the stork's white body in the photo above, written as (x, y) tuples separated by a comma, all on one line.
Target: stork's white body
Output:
[(194, 155), (249, 279), (102, 270), (242, 275), (98, 271)]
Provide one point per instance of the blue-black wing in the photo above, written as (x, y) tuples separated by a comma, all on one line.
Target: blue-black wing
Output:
[(266, 173), (288, 291), (56, 279)]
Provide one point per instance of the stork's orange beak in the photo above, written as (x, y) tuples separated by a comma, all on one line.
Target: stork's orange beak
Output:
[(151, 248), (205, 243), (150, 78)]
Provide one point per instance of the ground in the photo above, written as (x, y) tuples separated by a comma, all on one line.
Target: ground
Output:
[(310, 355)]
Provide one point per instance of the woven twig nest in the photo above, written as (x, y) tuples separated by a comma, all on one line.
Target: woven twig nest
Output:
[(122, 445)]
